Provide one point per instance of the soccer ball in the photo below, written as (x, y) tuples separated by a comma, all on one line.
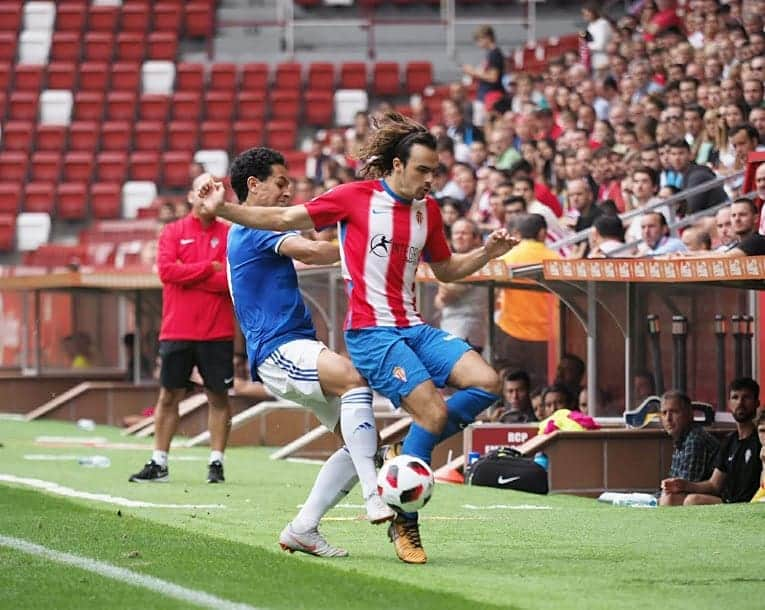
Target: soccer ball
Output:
[(405, 483)]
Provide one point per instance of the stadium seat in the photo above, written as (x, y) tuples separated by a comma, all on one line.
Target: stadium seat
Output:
[(347, 103), (46, 166), (120, 105), (419, 74), (295, 160), (135, 17), (88, 105), (144, 165), (137, 194), (111, 166), (50, 137), (13, 166), (78, 166), (149, 135), (176, 169), (99, 46), (214, 161), (7, 232), (115, 135), (199, 19), (353, 75), (34, 47), (321, 76), (40, 197), (56, 107), (10, 197), (28, 77), (162, 46), (223, 77), (281, 135), (84, 135), (39, 16), (32, 230), (219, 105), (126, 76), (70, 17), (94, 76), (318, 108), (62, 75), (105, 200), (247, 134), (183, 135), (288, 76), (254, 77), (158, 77), (72, 201), (153, 107), (168, 17), (65, 46), (251, 106), (103, 18), (285, 105), (7, 46), (187, 105), (131, 46), (5, 80), (385, 78), (10, 16), (189, 77), (215, 134), (17, 136), (22, 106)]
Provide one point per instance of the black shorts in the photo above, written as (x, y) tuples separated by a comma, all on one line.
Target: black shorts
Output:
[(214, 359)]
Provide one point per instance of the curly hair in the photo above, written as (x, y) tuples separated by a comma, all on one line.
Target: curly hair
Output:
[(255, 162), (392, 136)]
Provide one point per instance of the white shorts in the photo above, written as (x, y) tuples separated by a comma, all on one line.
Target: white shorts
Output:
[(291, 372)]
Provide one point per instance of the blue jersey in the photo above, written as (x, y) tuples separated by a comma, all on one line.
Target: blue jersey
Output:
[(264, 289)]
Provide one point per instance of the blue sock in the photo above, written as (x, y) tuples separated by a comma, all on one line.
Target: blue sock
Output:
[(463, 407), (419, 442)]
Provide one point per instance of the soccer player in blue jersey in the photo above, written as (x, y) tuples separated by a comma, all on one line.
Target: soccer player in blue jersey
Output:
[(284, 353)]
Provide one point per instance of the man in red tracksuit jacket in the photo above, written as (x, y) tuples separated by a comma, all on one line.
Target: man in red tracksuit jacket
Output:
[(197, 330)]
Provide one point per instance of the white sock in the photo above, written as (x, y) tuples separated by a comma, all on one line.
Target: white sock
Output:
[(216, 456), (335, 479), (357, 423), (159, 457)]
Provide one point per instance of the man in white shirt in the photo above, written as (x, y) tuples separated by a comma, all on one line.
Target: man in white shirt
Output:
[(656, 238), (523, 186)]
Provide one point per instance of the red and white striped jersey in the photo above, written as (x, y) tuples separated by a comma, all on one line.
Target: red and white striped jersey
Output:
[(382, 238)]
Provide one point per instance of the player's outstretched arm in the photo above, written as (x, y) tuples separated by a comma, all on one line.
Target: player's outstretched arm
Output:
[(310, 252), (458, 266), (275, 218)]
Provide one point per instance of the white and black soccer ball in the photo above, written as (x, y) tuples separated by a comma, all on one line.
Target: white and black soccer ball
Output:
[(405, 483)]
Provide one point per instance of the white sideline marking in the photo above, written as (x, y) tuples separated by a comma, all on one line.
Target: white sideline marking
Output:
[(86, 495), (168, 589), (12, 417), (44, 457), (506, 507)]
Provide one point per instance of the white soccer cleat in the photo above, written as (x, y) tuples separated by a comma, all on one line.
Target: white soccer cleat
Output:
[(377, 510), (311, 542)]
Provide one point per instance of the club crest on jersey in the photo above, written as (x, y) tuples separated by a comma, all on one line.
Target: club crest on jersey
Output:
[(379, 244), (399, 373), (419, 217), (214, 242)]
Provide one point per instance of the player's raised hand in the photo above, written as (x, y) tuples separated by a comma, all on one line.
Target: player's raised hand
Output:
[(498, 242), (212, 194)]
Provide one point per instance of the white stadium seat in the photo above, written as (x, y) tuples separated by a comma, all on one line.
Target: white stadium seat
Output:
[(214, 161), (56, 107), (32, 230), (158, 77), (347, 103), (137, 194)]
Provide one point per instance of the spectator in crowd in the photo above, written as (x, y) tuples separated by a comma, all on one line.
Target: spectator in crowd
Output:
[(737, 472), (694, 450), (643, 386), (692, 175), (489, 74), (562, 411), (656, 238), (516, 401), (166, 213), (599, 32), (744, 219), (760, 423), (726, 238), (464, 306), (606, 236), (696, 239), (644, 185), (570, 373)]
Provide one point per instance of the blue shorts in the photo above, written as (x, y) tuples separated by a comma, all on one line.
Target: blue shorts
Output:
[(394, 361)]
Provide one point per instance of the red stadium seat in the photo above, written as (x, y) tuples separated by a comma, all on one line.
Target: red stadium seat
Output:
[(162, 45), (5, 80), (189, 77), (115, 135), (28, 77), (187, 105), (223, 77), (13, 166), (99, 46), (247, 134), (152, 107), (285, 105), (10, 16), (17, 135), (144, 165), (84, 135), (10, 198), (281, 134), (106, 200), (295, 160), (353, 75), (254, 77), (78, 166), (7, 46), (135, 17), (126, 76), (199, 19), (149, 135), (251, 106), (65, 46), (215, 134), (50, 137), (39, 197), (131, 46), (7, 232), (385, 78), (70, 17), (103, 18), (46, 166), (62, 75), (94, 76), (319, 108), (72, 201), (219, 105), (88, 106), (120, 105), (176, 169), (168, 17), (183, 135), (321, 76), (111, 166), (22, 105), (288, 75), (419, 74)]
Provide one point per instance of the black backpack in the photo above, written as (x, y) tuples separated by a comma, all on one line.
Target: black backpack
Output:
[(506, 468)]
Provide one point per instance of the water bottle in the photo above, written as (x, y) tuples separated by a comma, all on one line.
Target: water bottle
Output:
[(542, 459), (86, 424), (94, 461), (636, 500)]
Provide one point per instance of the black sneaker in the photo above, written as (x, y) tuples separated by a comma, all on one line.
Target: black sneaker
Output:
[(151, 473), (215, 472)]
